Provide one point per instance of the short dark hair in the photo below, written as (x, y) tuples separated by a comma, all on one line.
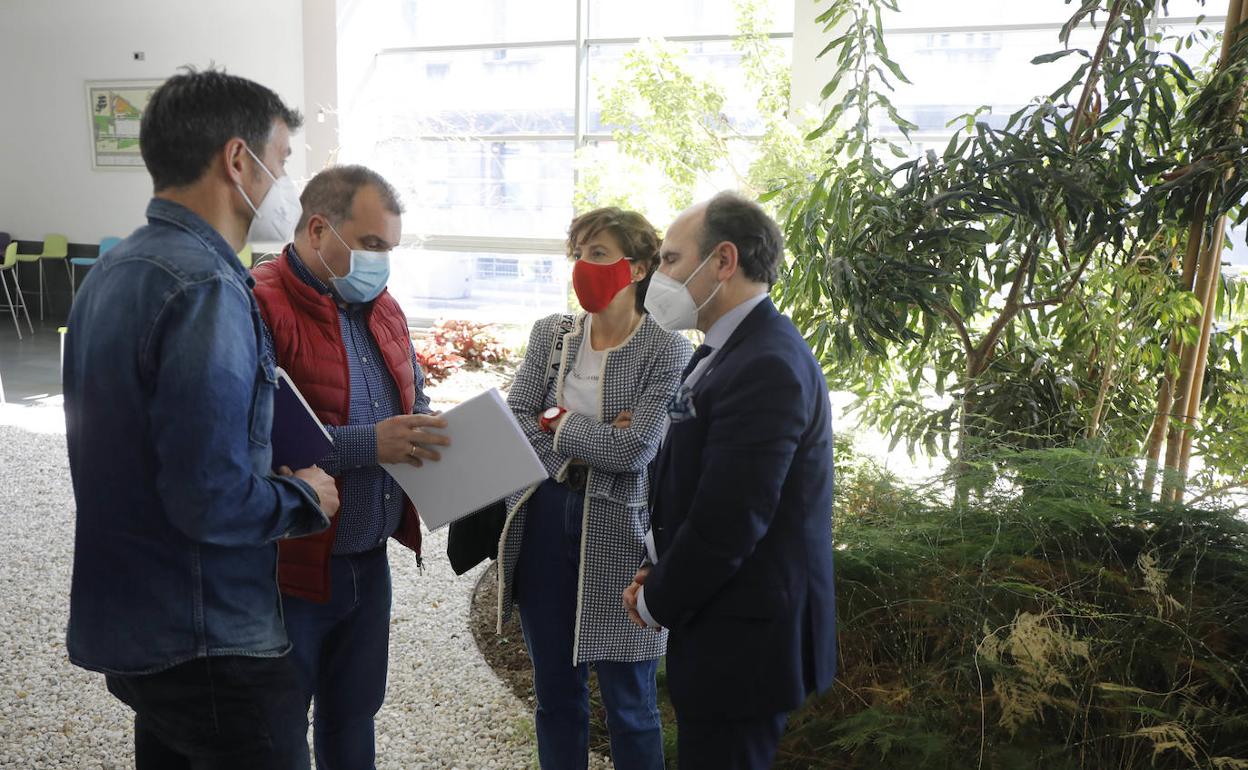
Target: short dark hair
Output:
[(742, 222), (193, 114), (636, 236), (331, 193)]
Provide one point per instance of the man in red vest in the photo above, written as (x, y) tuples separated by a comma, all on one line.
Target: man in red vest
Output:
[(344, 341)]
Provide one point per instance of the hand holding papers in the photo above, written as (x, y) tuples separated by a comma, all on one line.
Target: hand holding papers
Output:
[(411, 439), (488, 459)]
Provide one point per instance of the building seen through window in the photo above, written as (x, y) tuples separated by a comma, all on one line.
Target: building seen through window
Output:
[(476, 110)]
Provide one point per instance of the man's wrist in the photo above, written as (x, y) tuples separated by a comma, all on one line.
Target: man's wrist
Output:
[(652, 551), (644, 611), (307, 489), (355, 446)]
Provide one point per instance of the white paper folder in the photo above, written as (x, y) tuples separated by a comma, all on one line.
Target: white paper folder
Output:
[(488, 459)]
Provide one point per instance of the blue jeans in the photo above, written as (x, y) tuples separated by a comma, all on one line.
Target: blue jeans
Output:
[(546, 580), (341, 649)]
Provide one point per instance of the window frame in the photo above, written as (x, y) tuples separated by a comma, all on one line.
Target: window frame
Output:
[(920, 138), (580, 137)]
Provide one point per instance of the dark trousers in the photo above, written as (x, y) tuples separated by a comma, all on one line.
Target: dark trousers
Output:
[(747, 744), (221, 713), (342, 652), (546, 587)]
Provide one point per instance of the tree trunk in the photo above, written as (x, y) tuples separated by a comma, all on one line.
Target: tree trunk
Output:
[(975, 365), (1234, 19), (1165, 395), (1202, 356), (1194, 358), (1187, 404)]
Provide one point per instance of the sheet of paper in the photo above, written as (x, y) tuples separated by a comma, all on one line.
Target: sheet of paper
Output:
[(488, 459)]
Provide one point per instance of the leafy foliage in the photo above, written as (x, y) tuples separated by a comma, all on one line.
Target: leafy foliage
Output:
[(473, 342), (437, 360), (674, 139), (1020, 287), (1055, 622), (454, 344)]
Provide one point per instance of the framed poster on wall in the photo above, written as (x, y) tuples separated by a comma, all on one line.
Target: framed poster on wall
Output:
[(116, 110)]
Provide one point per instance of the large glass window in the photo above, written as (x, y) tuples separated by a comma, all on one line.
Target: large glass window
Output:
[(489, 286), (481, 187), (482, 111), (682, 18), (716, 60), (954, 73), (963, 54), (487, 91), (476, 112), (970, 14), (1192, 9), (469, 22)]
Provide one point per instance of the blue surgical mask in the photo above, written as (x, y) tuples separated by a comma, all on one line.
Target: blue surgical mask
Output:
[(367, 278)]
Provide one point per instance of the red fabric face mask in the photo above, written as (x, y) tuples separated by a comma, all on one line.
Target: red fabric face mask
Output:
[(596, 285)]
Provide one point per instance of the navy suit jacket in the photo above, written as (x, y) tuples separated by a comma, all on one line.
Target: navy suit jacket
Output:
[(742, 520)]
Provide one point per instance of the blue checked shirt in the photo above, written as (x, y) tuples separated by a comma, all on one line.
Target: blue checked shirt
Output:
[(371, 501)]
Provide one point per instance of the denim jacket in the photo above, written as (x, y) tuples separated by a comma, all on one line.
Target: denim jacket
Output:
[(168, 411)]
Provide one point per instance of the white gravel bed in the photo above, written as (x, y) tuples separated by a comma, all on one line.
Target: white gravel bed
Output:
[(445, 708)]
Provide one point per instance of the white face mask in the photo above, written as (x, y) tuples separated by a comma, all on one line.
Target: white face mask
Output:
[(278, 213), (670, 304)]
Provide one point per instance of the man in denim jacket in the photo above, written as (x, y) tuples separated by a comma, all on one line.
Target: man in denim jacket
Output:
[(169, 408)]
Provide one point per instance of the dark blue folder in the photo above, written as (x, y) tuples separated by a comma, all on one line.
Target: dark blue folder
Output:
[(299, 439)]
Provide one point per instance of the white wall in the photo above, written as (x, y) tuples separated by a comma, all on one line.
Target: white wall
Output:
[(50, 47)]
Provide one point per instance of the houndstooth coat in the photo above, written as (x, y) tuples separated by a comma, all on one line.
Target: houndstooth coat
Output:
[(640, 376)]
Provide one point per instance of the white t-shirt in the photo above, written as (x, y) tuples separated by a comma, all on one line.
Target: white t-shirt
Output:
[(583, 384)]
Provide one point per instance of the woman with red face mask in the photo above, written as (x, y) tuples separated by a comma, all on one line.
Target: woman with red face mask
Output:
[(592, 396)]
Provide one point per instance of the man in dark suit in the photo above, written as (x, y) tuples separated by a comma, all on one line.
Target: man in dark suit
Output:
[(742, 497)]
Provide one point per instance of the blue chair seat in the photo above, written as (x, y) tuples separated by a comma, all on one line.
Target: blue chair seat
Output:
[(76, 262)]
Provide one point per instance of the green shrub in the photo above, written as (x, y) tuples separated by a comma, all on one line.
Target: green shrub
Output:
[(1053, 621)]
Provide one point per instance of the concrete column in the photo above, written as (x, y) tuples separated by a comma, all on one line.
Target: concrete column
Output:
[(810, 74), (320, 83)]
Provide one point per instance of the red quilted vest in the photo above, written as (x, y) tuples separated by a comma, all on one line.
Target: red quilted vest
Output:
[(308, 342)]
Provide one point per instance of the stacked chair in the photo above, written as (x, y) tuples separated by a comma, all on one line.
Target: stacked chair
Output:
[(13, 301), (54, 247)]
